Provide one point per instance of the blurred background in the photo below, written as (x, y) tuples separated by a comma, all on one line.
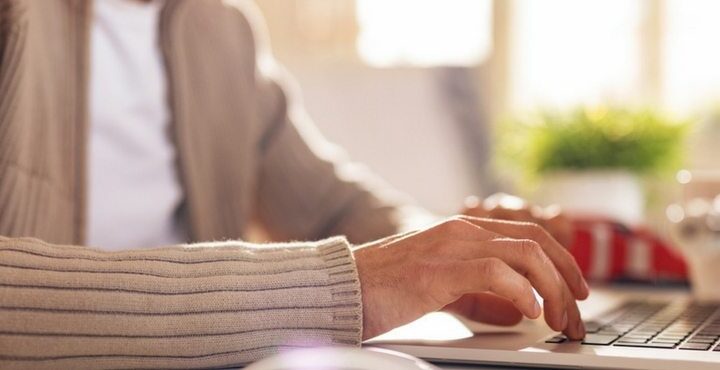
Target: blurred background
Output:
[(445, 98)]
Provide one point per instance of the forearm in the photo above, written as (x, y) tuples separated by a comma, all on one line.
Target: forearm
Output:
[(207, 305)]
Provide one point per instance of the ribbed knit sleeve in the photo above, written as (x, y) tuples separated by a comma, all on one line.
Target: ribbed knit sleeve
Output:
[(203, 305)]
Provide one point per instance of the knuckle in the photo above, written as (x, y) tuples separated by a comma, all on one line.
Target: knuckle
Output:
[(492, 266), (531, 248), (536, 253), (453, 225), (536, 232)]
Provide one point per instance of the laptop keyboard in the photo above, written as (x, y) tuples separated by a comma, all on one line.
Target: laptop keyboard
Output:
[(661, 325)]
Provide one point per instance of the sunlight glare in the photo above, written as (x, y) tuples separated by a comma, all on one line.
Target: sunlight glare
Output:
[(424, 32)]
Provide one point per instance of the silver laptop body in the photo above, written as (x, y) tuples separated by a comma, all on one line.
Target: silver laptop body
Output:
[(440, 337)]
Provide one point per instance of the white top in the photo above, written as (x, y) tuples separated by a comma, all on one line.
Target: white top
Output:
[(134, 192)]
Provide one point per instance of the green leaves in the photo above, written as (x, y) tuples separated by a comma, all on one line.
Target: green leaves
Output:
[(641, 141)]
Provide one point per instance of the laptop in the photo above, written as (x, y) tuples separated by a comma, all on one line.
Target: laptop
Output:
[(628, 328)]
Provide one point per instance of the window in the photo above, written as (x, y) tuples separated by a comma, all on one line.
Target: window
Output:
[(566, 52), (692, 59), (424, 32)]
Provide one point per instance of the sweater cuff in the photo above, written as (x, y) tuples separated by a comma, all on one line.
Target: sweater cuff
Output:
[(345, 291)]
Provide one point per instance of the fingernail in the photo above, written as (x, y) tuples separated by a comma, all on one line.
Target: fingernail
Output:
[(581, 329), (564, 320), (536, 310)]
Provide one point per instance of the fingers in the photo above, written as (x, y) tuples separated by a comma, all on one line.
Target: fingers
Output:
[(460, 228), (405, 276), (497, 277), (527, 258), (512, 208), (535, 256), (559, 226), (575, 329), (522, 214), (561, 258)]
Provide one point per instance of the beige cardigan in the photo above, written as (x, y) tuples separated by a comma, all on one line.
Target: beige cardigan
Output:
[(244, 155)]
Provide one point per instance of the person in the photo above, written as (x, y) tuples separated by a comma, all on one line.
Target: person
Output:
[(126, 125)]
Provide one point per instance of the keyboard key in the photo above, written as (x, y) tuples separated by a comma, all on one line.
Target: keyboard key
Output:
[(556, 339), (650, 329), (599, 339), (668, 339), (672, 332), (642, 332), (695, 346), (674, 343), (698, 335), (645, 345), (707, 331), (631, 340), (701, 340), (635, 339), (609, 332), (592, 326), (660, 325), (671, 335)]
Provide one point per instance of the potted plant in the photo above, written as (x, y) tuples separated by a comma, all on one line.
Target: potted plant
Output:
[(590, 160)]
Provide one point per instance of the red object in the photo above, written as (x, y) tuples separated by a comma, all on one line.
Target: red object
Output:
[(609, 251)]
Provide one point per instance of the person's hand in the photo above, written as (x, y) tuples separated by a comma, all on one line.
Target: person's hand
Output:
[(508, 207), (463, 263)]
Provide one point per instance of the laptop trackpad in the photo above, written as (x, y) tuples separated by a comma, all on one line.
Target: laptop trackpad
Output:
[(446, 330)]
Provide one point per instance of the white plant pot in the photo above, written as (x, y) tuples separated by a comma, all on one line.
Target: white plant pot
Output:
[(605, 193), (704, 273)]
